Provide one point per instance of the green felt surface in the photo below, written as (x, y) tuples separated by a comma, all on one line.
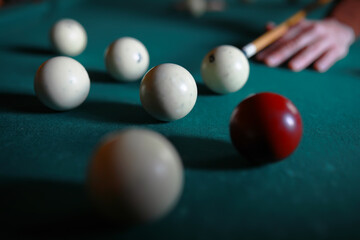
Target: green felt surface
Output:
[(44, 155)]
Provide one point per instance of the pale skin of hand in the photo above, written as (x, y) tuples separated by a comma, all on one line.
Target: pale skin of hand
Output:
[(321, 43)]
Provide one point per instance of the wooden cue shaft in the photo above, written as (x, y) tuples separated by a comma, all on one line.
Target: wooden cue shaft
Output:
[(271, 36)]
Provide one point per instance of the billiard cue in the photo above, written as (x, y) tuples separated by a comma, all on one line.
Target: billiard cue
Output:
[(271, 36)]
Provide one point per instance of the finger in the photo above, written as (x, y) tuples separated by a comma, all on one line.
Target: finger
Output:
[(291, 47), (328, 60), (308, 55), (291, 33)]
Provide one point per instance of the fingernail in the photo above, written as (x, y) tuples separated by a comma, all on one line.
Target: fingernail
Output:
[(294, 65), (321, 67)]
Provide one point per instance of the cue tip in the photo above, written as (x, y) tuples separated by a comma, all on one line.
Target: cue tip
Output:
[(249, 50)]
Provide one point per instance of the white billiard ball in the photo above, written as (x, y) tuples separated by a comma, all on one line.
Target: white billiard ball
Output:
[(197, 8), (68, 37), (168, 92), (225, 69), (62, 83), (127, 59), (135, 175)]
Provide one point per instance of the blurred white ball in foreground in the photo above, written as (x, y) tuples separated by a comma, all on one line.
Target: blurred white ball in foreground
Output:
[(135, 175)]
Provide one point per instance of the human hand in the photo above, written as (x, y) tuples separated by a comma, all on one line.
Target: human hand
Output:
[(320, 42)]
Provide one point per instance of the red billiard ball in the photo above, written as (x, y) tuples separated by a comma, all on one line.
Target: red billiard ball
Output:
[(265, 127)]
